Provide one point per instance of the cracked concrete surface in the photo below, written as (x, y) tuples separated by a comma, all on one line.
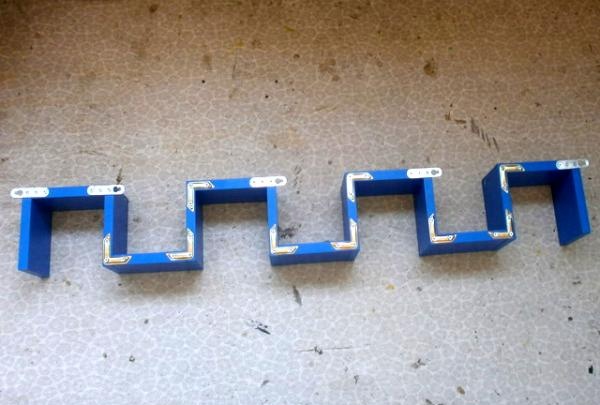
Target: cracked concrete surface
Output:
[(151, 93)]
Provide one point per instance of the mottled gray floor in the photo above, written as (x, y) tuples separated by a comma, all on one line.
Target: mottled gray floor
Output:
[(154, 93)]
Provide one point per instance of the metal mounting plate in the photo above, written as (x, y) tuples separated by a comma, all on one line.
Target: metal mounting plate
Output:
[(30, 192)]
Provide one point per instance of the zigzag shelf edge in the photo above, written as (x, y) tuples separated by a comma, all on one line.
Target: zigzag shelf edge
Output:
[(563, 176)]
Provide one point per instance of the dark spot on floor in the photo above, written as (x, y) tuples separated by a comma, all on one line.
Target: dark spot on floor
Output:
[(131, 359), (297, 171), (137, 220), (146, 321), (591, 369), (289, 232), (68, 283), (4, 159), (356, 377), (477, 130), (259, 326), (570, 318), (329, 162), (418, 363), (119, 178), (460, 390), (105, 355), (266, 96), (297, 296), (296, 56), (486, 138), (419, 289), (265, 382), (318, 350), (153, 8), (430, 68)]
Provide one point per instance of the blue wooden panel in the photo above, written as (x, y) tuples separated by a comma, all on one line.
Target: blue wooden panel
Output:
[(563, 177)]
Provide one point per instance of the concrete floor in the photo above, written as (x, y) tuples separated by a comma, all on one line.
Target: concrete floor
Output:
[(152, 93)]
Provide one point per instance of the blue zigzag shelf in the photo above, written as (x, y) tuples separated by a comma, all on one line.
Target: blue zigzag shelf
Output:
[(563, 176)]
